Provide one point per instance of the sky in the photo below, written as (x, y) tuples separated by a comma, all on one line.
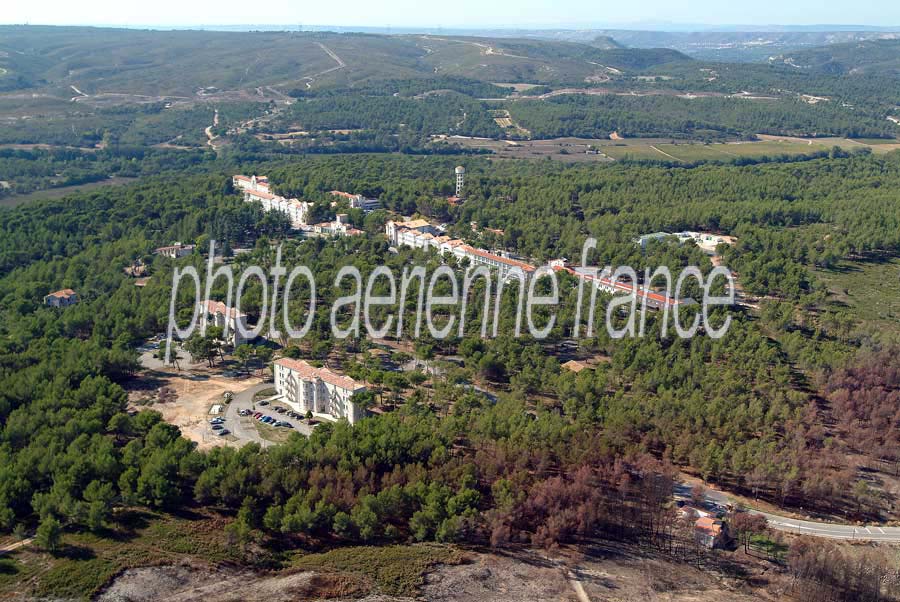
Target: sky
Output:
[(455, 14)]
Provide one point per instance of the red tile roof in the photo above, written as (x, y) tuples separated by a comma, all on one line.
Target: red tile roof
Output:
[(217, 307), (624, 287), (709, 525), (526, 267), (261, 194), (64, 293), (309, 372)]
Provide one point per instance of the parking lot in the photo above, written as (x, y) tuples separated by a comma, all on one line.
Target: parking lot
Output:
[(249, 420)]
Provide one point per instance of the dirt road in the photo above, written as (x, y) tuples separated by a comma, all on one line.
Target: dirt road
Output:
[(210, 137), (15, 545)]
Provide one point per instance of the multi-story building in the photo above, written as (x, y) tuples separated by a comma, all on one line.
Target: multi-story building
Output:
[(419, 234), (175, 251), (230, 319), (256, 190), (63, 298), (251, 183), (417, 226), (326, 394), (358, 201), (339, 227), (653, 299)]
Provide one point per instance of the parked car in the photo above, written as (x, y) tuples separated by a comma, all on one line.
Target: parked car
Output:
[(287, 424), (280, 410), (223, 432), (257, 414), (217, 427), (264, 403), (217, 420)]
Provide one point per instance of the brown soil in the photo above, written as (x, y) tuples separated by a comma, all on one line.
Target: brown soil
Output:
[(517, 576), (197, 390)]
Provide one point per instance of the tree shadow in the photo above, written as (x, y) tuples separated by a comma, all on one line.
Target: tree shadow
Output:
[(8, 565), (74, 552)]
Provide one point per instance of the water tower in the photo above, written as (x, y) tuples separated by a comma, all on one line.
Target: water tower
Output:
[(460, 180)]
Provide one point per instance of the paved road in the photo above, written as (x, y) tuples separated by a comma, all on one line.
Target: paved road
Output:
[(804, 527), (243, 427)]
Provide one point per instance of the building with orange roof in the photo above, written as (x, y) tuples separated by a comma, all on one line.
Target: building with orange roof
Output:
[(256, 190), (229, 319), (321, 391), (61, 298), (709, 532)]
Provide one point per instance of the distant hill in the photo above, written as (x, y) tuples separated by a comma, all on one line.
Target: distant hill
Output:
[(872, 57), (739, 46), (185, 63)]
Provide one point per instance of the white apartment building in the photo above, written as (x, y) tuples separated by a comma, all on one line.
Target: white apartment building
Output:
[(358, 201), (256, 190), (319, 390), (419, 234), (251, 183), (394, 229), (339, 227), (175, 251)]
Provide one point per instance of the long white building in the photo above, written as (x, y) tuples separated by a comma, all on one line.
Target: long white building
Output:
[(419, 234), (256, 190), (319, 390)]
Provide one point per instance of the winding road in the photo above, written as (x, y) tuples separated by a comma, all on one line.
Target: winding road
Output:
[(875, 534)]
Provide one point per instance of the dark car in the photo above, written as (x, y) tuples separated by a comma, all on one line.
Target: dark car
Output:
[(217, 427), (263, 403), (223, 432)]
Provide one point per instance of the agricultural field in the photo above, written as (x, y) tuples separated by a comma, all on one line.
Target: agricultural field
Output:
[(574, 150)]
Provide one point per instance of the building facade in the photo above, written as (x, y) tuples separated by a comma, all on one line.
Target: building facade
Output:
[(63, 298), (318, 390), (358, 201), (460, 180), (175, 251), (257, 190), (227, 318)]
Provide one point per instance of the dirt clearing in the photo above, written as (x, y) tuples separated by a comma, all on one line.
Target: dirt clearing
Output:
[(197, 388)]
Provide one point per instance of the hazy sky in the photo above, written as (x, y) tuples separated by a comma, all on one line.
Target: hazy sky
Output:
[(457, 13)]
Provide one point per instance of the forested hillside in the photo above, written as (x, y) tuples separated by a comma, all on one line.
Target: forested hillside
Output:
[(861, 58)]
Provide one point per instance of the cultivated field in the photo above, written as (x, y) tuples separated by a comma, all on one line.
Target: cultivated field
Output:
[(666, 149)]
